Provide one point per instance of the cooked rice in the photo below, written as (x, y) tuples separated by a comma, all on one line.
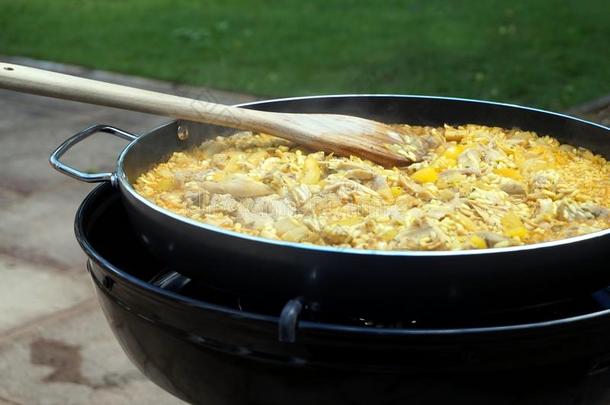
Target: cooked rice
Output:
[(479, 187)]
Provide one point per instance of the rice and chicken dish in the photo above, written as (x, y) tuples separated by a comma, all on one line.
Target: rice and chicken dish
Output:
[(477, 187)]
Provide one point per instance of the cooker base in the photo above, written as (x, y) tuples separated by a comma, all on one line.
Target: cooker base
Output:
[(210, 346)]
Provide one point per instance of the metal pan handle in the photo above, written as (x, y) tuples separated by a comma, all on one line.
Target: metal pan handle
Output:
[(85, 133)]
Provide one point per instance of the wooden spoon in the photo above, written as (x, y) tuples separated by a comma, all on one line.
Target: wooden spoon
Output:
[(341, 134)]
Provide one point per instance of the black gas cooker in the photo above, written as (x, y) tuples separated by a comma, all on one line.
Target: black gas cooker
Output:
[(212, 346)]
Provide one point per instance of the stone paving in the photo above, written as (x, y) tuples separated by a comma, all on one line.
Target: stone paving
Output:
[(55, 345)]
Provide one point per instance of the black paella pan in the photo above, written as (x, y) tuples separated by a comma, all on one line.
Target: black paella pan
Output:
[(362, 282)]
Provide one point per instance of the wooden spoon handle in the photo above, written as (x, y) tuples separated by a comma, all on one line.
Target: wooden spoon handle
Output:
[(340, 134), (51, 84)]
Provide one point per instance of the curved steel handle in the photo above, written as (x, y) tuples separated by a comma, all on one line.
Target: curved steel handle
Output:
[(85, 133)]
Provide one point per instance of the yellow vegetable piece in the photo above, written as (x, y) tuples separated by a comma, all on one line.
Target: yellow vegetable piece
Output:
[(425, 175), (296, 234), (507, 172), (517, 232), (311, 171), (443, 163), (218, 176), (258, 156), (467, 222), (534, 165), (477, 242), (397, 191), (285, 224), (517, 155), (236, 154), (453, 152), (513, 226), (387, 194), (349, 221), (389, 234), (232, 167), (538, 149), (166, 184)]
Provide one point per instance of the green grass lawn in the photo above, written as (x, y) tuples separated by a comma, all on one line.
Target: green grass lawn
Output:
[(546, 53)]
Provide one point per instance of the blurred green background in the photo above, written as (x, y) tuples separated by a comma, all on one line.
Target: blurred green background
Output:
[(546, 53)]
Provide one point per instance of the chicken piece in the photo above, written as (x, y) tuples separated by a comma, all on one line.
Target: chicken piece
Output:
[(300, 194), (320, 203), (341, 164), (492, 155), (425, 237), (546, 209), (336, 234), (238, 186), (513, 187), (570, 211), (380, 185), (433, 140), (597, 210), (291, 230), (359, 174), (223, 203), (200, 175), (492, 197), (446, 195), (452, 178), (545, 179), (211, 148), (344, 188), (406, 201), (274, 206), (470, 159), (409, 185), (252, 220), (198, 198)]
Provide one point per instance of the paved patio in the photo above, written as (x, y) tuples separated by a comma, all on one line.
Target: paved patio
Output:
[(55, 346)]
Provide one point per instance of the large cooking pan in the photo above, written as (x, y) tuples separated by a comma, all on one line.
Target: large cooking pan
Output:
[(363, 282)]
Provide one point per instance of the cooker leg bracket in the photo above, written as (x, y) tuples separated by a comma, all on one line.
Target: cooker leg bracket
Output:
[(288, 322)]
